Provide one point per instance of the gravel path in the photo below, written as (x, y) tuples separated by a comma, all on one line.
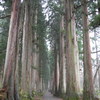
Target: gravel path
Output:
[(49, 96)]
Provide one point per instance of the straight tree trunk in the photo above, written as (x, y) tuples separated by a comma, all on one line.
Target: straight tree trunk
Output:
[(96, 47), (19, 39), (19, 51), (62, 88), (10, 61), (73, 85), (27, 49), (56, 71), (88, 81), (35, 70)]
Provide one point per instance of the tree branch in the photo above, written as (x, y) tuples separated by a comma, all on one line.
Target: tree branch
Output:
[(2, 17), (91, 52)]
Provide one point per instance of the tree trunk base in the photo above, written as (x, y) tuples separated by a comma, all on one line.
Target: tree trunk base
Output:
[(73, 97)]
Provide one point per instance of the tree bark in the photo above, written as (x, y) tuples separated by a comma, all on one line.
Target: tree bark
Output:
[(72, 65), (62, 88), (88, 81), (27, 49), (56, 71), (10, 61)]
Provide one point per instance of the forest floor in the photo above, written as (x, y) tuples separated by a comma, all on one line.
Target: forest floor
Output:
[(49, 96)]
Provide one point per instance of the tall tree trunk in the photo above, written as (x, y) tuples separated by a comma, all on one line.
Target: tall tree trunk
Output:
[(19, 51), (35, 69), (29, 64), (56, 71), (96, 46), (73, 86), (10, 62), (88, 81), (62, 88), (36, 51), (27, 49)]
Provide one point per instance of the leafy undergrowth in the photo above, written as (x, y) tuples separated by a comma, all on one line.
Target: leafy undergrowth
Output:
[(34, 96), (97, 95), (73, 97)]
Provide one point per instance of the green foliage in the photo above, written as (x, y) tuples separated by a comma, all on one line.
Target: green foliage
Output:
[(51, 62), (26, 96), (80, 44), (73, 97), (4, 26), (38, 93), (43, 51), (95, 22), (97, 93), (56, 7), (53, 30)]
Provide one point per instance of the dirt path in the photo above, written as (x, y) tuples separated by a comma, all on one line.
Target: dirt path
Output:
[(49, 96)]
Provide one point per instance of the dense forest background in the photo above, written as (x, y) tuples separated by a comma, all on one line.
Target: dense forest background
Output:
[(50, 45)]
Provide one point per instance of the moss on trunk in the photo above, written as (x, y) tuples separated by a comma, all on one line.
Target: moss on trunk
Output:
[(88, 96)]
